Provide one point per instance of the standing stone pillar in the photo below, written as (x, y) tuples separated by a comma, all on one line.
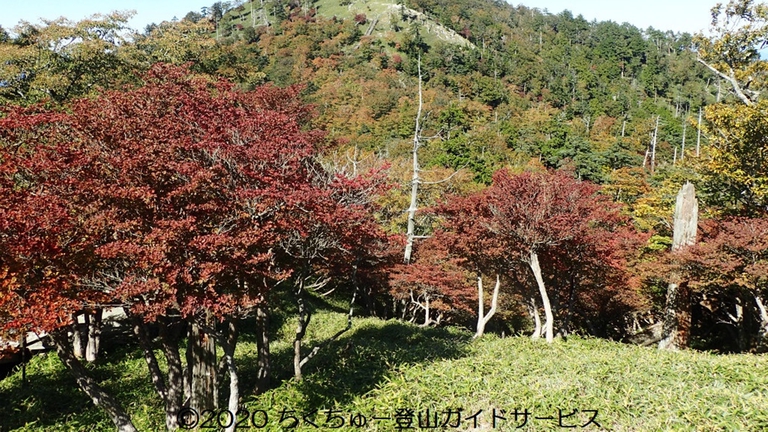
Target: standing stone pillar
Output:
[(677, 314)]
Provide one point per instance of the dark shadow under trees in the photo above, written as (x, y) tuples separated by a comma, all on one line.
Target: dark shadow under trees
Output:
[(357, 362)]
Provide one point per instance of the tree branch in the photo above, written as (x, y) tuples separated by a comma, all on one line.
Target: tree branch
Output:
[(731, 79), (441, 181)]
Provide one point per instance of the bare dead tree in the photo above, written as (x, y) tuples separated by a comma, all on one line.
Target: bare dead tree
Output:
[(415, 179), (653, 144), (698, 136)]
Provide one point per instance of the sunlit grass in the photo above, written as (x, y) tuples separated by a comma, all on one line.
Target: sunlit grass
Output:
[(379, 368)]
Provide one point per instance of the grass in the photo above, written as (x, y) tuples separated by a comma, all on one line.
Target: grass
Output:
[(383, 11), (383, 368)]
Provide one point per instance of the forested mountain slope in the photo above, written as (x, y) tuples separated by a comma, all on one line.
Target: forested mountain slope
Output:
[(467, 163)]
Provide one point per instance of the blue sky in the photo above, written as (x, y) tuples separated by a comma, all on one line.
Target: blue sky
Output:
[(676, 15), (147, 11)]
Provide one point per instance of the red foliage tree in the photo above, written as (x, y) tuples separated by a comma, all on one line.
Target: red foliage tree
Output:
[(551, 218), (36, 231), (435, 282), (334, 239), (465, 233), (169, 200), (728, 270)]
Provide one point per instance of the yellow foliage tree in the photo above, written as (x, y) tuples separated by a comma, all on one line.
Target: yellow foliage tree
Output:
[(735, 165)]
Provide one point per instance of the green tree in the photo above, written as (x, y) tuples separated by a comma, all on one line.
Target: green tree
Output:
[(60, 60)]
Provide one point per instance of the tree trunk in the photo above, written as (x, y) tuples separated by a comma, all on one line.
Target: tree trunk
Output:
[(737, 88), (155, 374), (201, 360), (653, 145), (364, 292), (645, 158), (534, 311), (415, 180), (263, 365), (677, 317), (698, 136), (427, 320), (482, 317), (742, 322), (100, 398), (316, 349), (762, 334), (228, 344), (549, 323), (80, 335), (94, 335), (171, 391), (301, 329), (23, 345), (566, 328), (682, 148), (170, 336)]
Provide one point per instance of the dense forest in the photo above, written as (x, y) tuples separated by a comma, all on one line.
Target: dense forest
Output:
[(447, 163)]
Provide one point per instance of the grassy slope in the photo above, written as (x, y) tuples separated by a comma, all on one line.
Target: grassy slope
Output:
[(383, 11), (383, 365)]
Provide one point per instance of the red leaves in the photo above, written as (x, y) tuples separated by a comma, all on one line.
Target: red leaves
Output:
[(166, 197), (528, 211), (580, 235), (732, 253), (543, 210), (437, 275)]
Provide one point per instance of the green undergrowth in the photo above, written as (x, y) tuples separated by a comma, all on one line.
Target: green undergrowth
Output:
[(382, 373)]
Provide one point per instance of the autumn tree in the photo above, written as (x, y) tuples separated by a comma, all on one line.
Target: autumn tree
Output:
[(735, 174), (44, 245), (334, 233), (734, 170), (465, 232), (434, 285), (727, 269), (549, 217), (739, 31), (177, 194)]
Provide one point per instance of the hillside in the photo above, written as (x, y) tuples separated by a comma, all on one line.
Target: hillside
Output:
[(553, 87), (378, 17), (229, 177)]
